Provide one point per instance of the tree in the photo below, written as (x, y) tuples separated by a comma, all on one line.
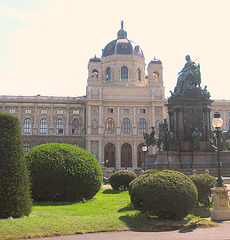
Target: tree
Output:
[(15, 200)]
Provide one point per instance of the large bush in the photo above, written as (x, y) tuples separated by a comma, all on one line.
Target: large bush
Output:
[(166, 194), (142, 175), (63, 172), (203, 183), (15, 200), (120, 180)]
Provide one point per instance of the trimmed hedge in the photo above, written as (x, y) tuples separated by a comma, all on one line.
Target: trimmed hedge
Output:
[(149, 171), (120, 180), (63, 172), (167, 194), (142, 175), (15, 199), (203, 183)]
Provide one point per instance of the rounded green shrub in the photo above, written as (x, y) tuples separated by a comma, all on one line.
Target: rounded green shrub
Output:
[(15, 199), (63, 172), (120, 180), (149, 171), (204, 183), (167, 194), (142, 175)]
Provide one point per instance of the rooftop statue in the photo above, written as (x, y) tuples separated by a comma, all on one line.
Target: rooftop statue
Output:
[(189, 76)]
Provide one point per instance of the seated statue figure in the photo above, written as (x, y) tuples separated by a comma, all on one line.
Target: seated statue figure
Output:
[(189, 76)]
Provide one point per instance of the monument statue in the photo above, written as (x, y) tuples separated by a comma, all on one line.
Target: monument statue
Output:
[(150, 138), (165, 137), (196, 136), (225, 135), (189, 76)]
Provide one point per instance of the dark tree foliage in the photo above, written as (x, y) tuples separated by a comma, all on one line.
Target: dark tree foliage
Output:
[(167, 194), (63, 172), (120, 180), (15, 199)]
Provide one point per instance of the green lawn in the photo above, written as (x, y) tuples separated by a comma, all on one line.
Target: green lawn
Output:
[(108, 211)]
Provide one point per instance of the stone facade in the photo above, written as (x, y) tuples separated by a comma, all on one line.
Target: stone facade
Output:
[(122, 102)]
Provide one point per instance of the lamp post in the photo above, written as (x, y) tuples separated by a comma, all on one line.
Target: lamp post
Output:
[(144, 149), (217, 123), (220, 211)]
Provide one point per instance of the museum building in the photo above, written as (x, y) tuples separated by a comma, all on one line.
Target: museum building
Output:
[(122, 101)]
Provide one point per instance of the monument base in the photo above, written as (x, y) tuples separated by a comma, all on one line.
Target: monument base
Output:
[(189, 160), (220, 211)]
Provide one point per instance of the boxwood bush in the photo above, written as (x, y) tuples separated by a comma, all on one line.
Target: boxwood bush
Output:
[(167, 194), (15, 199), (63, 172), (120, 180), (142, 175), (203, 183)]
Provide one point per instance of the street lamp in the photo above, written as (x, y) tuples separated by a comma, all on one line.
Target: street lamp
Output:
[(144, 149), (217, 123)]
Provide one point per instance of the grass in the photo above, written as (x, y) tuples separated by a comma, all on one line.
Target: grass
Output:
[(109, 210)]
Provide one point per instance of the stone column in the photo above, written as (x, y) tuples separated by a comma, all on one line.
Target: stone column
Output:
[(118, 155), (135, 128), (89, 120), (180, 125), (100, 125), (100, 151), (153, 122), (67, 132), (118, 132), (35, 127), (134, 156)]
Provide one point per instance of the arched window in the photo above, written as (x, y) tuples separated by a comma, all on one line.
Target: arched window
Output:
[(138, 74), (124, 72), (108, 73), (75, 127), (59, 126), (43, 126), (27, 126), (156, 76), (94, 73), (142, 125), (109, 125), (26, 147), (126, 126)]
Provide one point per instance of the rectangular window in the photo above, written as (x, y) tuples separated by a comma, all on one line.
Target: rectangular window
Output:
[(12, 110), (76, 111), (43, 111), (142, 110), (126, 110), (59, 111), (28, 111), (109, 110)]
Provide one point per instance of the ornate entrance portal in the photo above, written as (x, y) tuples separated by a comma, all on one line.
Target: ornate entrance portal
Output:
[(126, 155), (109, 155)]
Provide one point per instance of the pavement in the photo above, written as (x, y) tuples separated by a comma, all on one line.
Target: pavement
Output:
[(218, 233)]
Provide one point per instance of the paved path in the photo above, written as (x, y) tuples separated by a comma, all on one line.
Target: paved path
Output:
[(218, 233)]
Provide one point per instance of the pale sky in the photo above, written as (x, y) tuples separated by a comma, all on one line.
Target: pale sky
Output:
[(45, 45)]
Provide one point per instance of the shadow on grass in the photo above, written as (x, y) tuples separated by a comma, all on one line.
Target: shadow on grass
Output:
[(201, 211), (127, 208), (46, 204), (140, 223), (111, 191)]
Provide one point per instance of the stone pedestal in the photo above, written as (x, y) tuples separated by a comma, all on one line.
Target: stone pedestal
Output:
[(189, 160), (221, 203)]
